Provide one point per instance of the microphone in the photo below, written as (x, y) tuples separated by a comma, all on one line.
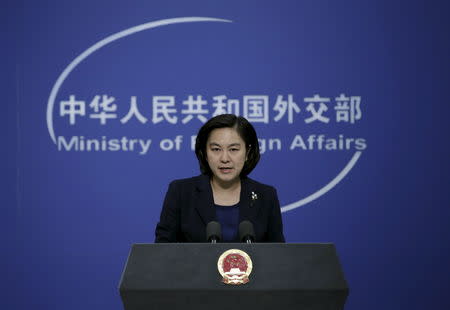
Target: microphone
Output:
[(246, 232), (213, 232)]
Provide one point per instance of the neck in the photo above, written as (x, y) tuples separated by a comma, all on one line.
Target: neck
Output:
[(225, 186)]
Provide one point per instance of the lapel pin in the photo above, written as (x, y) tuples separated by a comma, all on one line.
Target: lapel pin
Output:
[(254, 197)]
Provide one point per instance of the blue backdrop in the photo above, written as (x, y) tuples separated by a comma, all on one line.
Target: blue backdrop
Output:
[(102, 98)]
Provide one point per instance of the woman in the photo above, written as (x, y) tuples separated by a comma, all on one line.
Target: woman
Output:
[(227, 150)]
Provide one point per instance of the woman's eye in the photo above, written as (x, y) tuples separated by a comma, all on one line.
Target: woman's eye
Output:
[(234, 150)]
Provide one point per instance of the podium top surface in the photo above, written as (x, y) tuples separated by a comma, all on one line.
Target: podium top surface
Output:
[(193, 266)]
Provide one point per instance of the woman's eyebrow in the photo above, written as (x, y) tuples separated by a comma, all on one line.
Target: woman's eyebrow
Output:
[(232, 144)]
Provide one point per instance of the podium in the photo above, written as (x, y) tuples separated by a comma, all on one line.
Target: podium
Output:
[(185, 276)]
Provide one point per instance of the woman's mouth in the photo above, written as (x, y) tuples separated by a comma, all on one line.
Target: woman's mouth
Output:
[(225, 169)]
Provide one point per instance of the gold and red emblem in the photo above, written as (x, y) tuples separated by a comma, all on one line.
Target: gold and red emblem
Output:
[(234, 266)]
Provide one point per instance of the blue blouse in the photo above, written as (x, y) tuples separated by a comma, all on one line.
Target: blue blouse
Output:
[(228, 217)]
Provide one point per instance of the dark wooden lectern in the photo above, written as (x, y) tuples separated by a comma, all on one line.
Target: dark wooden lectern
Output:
[(185, 276)]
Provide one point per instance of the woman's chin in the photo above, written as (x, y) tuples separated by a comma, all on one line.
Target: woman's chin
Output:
[(226, 177)]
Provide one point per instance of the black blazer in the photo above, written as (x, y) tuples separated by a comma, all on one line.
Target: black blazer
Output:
[(189, 207)]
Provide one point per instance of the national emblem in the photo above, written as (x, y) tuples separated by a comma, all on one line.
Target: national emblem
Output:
[(234, 266)]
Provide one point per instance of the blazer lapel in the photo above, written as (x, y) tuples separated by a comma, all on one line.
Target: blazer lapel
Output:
[(248, 205), (204, 202)]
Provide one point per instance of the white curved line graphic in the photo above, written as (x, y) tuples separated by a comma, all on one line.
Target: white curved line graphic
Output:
[(327, 187), (164, 22), (105, 41)]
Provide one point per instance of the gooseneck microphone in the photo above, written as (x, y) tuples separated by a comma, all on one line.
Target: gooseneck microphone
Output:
[(213, 232), (246, 232)]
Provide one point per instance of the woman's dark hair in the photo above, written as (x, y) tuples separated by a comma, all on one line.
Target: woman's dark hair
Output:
[(244, 129)]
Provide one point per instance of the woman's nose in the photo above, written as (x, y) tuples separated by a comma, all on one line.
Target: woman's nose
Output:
[(224, 157)]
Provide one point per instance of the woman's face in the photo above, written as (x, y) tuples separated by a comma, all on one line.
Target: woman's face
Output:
[(226, 154)]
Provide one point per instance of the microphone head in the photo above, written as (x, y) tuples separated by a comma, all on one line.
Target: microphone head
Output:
[(213, 231), (246, 231)]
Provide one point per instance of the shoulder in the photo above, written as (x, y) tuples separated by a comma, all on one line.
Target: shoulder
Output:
[(190, 183), (260, 187)]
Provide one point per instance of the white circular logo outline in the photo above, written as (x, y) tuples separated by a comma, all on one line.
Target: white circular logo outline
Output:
[(164, 22)]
